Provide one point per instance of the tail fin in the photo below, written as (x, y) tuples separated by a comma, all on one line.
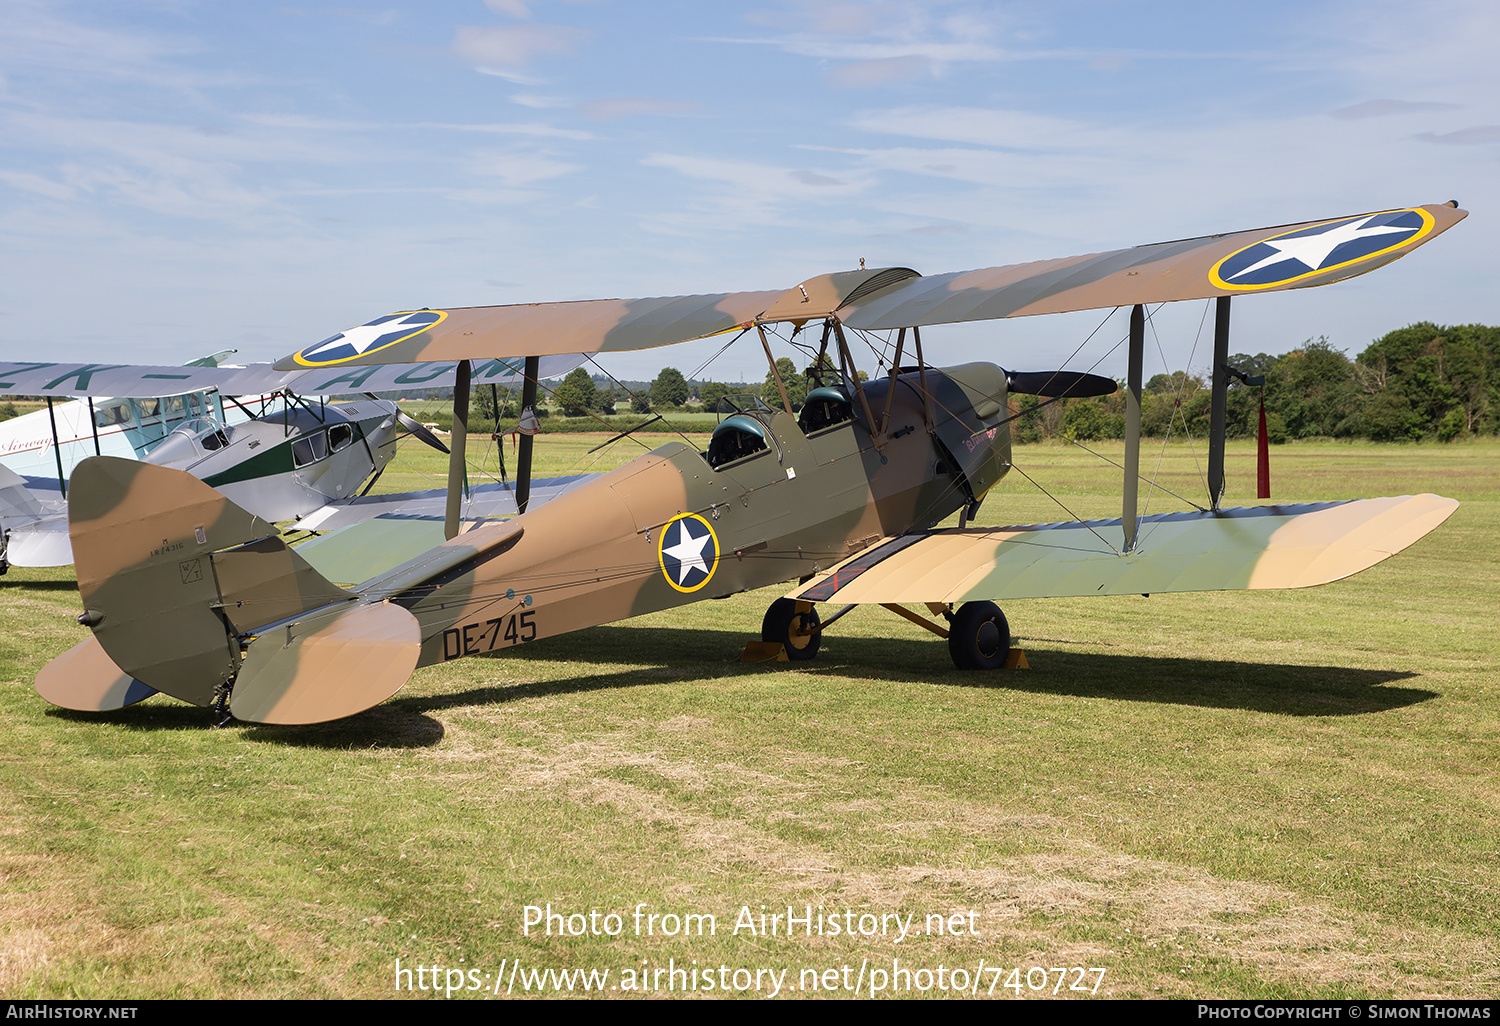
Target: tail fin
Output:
[(172, 574)]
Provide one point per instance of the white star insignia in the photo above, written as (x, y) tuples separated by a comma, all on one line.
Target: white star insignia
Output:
[(1313, 250), (366, 336), (689, 552)]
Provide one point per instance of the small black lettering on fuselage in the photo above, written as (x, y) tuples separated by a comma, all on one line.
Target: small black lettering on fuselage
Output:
[(474, 638)]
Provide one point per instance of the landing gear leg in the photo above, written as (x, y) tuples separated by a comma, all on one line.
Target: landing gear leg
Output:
[(795, 625), (222, 716), (979, 637)]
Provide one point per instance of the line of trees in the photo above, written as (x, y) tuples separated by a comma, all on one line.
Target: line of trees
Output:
[(1420, 382), (1424, 381)]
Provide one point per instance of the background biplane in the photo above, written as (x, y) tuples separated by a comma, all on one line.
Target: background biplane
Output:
[(191, 595), (264, 438)]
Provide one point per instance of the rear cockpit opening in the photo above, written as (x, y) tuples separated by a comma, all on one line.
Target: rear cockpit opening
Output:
[(824, 408)]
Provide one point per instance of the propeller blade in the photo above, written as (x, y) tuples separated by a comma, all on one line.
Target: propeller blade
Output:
[(419, 431), (1060, 384)]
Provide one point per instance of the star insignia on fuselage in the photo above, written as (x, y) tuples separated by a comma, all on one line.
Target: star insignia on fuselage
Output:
[(688, 552), (1287, 258), (370, 337)]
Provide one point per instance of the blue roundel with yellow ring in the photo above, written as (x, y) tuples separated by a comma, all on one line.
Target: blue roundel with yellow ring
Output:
[(371, 337), (688, 552), (1307, 252)]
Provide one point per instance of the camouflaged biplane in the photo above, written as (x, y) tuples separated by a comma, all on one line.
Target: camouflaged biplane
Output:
[(190, 595)]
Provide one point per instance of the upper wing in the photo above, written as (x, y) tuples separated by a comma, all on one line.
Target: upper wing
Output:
[(1262, 260), (1231, 550), (138, 381)]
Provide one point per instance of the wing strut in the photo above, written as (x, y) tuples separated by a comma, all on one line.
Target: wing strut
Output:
[(458, 442), (523, 461), (57, 449), (1133, 424), (916, 335), (1220, 400)]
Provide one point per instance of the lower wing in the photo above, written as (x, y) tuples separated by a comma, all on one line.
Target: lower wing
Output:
[(1254, 548)]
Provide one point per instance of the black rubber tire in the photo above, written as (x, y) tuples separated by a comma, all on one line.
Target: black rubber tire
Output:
[(979, 637), (782, 618)]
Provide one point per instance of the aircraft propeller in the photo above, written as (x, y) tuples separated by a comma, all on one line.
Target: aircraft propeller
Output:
[(417, 429), (1060, 384)]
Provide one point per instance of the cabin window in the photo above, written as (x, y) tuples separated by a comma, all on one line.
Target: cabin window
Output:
[(310, 449), (339, 436), (109, 416), (824, 408), (735, 439), (174, 407)]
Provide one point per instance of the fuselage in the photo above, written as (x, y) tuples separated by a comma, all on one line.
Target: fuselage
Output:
[(772, 500), (289, 463)]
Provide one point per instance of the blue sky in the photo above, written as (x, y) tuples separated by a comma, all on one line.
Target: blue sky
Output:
[(180, 177)]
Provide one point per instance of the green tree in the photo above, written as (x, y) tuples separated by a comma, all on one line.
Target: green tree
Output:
[(1437, 370), (640, 402), (577, 394), (669, 389), (1313, 388), (1084, 421), (710, 394), (796, 385)]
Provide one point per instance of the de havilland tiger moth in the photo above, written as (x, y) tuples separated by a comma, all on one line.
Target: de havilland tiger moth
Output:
[(189, 594)]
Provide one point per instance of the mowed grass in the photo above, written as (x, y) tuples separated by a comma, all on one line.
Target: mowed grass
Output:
[(1284, 794)]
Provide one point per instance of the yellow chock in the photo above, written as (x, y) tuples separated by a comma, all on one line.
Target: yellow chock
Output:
[(1016, 660), (764, 652)]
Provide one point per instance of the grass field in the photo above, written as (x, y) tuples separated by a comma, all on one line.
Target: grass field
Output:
[(1233, 795)]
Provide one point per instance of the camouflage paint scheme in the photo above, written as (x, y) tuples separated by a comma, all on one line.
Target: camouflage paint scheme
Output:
[(190, 595), (887, 298), (182, 587)]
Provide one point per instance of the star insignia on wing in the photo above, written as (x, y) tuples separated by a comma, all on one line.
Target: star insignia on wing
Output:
[(1285, 258), (689, 552), (376, 334)]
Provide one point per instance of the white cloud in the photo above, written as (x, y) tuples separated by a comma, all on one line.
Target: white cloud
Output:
[(1386, 108), (539, 101), (27, 182), (867, 74), (314, 124), (1478, 135), (624, 107), (1013, 129), (512, 46), (518, 169), (514, 8)]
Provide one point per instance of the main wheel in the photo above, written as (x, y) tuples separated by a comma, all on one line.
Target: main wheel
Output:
[(979, 637), (794, 625)]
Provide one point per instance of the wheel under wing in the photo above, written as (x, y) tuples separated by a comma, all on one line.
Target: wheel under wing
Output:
[(1255, 548)]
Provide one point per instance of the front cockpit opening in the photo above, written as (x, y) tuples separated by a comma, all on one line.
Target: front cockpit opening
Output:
[(737, 437)]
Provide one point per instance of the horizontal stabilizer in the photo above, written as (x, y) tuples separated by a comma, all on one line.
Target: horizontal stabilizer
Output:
[(1231, 550), (16, 499), (143, 541), (43, 543), (327, 666), (86, 679)]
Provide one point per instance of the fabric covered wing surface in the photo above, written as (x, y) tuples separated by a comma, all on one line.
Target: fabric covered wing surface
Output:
[(1237, 549)]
